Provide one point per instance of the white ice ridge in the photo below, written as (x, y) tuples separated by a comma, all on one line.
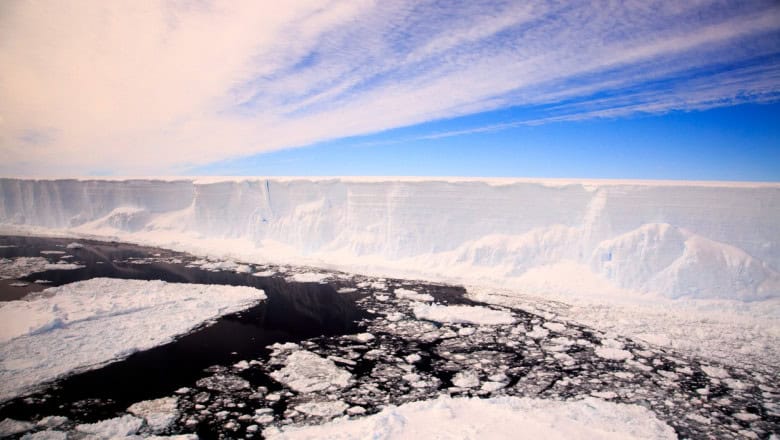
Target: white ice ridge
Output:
[(496, 418), (83, 325), (675, 239)]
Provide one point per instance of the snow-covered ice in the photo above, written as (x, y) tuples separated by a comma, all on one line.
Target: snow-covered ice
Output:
[(463, 314), (117, 427), (323, 409), (412, 295), (158, 413), (496, 418), (9, 427), (306, 372), (85, 324), (308, 277)]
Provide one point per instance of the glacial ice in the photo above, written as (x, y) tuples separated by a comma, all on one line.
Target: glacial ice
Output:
[(675, 239)]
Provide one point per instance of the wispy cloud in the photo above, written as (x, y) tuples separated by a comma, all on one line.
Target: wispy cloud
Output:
[(154, 87)]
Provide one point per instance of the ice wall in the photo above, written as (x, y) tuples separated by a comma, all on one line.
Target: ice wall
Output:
[(680, 240)]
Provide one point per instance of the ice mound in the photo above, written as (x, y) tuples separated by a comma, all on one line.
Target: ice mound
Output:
[(85, 324)]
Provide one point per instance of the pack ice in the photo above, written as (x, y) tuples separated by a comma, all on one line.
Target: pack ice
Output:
[(83, 325), (676, 239)]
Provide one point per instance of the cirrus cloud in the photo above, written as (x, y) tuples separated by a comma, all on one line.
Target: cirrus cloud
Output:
[(156, 87)]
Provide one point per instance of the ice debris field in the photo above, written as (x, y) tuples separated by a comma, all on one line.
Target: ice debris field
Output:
[(591, 309)]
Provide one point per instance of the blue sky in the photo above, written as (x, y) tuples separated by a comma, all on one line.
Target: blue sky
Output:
[(738, 142), (647, 89)]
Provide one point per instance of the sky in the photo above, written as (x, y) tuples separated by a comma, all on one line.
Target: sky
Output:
[(597, 89)]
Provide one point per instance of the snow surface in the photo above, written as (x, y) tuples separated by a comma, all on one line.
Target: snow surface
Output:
[(463, 314), (496, 418), (83, 325)]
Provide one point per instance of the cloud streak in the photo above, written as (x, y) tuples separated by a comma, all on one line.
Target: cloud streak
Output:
[(159, 87)]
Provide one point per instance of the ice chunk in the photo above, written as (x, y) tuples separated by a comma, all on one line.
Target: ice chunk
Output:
[(306, 372), (112, 428), (555, 326), (538, 332), (463, 314), (9, 427), (323, 409), (21, 267), (466, 379), (364, 337), (158, 413), (614, 354), (224, 383), (412, 295), (716, 372), (52, 421), (46, 435), (309, 277), (74, 245)]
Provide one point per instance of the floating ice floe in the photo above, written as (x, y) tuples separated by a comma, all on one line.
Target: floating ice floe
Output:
[(23, 266), (307, 372), (9, 427), (309, 277), (47, 434), (323, 409), (463, 314), (496, 418), (117, 427), (613, 350), (86, 324), (412, 295), (158, 413), (74, 245)]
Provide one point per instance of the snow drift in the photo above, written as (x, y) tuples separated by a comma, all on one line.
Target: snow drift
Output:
[(677, 239)]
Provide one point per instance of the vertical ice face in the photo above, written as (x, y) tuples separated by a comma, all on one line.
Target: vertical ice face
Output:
[(678, 239)]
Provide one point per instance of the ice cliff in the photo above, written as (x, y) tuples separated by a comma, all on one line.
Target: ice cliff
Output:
[(695, 240)]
